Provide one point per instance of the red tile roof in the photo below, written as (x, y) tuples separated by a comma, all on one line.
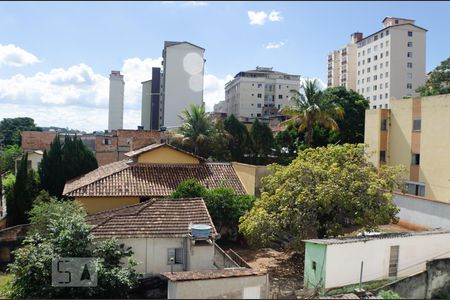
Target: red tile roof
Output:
[(150, 180), (212, 274), (154, 218)]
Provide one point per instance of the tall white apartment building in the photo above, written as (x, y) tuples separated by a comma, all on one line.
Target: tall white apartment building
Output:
[(116, 95), (391, 62), (342, 65), (182, 80), (259, 93)]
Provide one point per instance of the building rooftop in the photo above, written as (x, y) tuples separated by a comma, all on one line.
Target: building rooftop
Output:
[(346, 240), (212, 274), (171, 43), (126, 178), (157, 146), (154, 218)]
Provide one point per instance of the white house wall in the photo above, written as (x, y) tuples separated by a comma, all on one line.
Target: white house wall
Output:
[(343, 261)]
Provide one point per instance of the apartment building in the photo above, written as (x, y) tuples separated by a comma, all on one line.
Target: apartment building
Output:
[(116, 98), (151, 110), (182, 80), (391, 62), (413, 132), (259, 93), (342, 64)]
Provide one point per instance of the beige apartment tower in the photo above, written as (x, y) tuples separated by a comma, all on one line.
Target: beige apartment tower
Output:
[(391, 62), (342, 64), (408, 133)]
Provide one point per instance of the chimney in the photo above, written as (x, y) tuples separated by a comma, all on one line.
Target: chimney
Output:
[(356, 37)]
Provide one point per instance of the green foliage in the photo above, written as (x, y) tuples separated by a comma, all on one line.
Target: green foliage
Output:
[(190, 188), (20, 200), (240, 143), (263, 142), (10, 129), (8, 157), (196, 128), (224, 205), (320, 192), (65, 162), (312, 108), (220, 142), (59, 229), (438, 82), (388, 295)]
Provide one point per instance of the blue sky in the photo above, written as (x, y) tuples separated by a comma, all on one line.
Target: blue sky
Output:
[(57, 55)]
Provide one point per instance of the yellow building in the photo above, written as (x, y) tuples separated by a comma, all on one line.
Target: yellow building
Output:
[(153, 171), (414, 132)]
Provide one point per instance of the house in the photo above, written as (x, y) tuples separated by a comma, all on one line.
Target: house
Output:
[(175, 238), (34, 159), (380, 256), (153, 171)]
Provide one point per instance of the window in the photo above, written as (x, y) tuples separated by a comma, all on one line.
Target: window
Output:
[(259, 85), (364, 61), (368, 50), (362, 80), (375, 48), (368, 60), (375, 88), (381, 87), (375, 77), (386, 74), (368, 89), (382, 156), (368, 69), (381, 45), (375, 57), (384, 124), (280, 96), (396, 21), (386, 106), (359, 54), (359, 63), (279, 86), (258, 115), (410, 44), (417, 124), (415, 188), (258, 105), (393, 261), (386, 96), (387, 64), (381, 96), (359, 72), (314, 265), (387, 42), (409, 54), (358, 81), (387, 53), (381, 66), (409, 33), (375, 37), (373, 106), (415, 159), (175, 256), (107, 142), (381, 75), (381, 35), (381, 55), (364, 52), (375, 67), (368, 79), (409, 86), (374, 97), (259, 95), (409, 65), (386, 84)]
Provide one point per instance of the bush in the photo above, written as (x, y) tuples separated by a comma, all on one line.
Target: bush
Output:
[(388, 295)]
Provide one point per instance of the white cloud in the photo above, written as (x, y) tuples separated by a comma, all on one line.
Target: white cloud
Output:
[(214, 90), (257, 18), (275, 16), (11, 55), (260, 17), (274, 45)]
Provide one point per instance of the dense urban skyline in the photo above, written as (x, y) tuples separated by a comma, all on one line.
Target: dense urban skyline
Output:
[(55, 58)]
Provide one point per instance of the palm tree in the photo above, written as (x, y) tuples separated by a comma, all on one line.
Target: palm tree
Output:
[(196, 127), (311, 108)]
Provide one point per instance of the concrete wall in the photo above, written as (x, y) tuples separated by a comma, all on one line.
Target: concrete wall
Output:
[(151, 255), (223, 288), (414, 251), (98, 204), (36, 140), (372, 128), (250, 176), (422, 211), (166, 155), (424, 285)]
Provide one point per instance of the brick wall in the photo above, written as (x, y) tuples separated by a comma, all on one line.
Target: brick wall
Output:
[(36, 140)]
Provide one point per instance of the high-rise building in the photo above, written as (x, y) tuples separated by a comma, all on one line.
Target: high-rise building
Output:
[(259, 93), (182, 80), (391, 62), (116, 95), (342, 64), (151, 114)]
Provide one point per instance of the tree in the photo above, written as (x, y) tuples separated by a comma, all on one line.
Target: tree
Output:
[(323, 190), (438, 82), (240, 143), (65, 162), (10, 129), (58, 229), (196, 127), (311, 108), (286, 145), (220, 142), (25, 189), (224, 205), (263, 142), (51, 169), (8, 157)]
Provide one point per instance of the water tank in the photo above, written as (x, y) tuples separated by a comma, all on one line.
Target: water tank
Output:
[(200, 230)]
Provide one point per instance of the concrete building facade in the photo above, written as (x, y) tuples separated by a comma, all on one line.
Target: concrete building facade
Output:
[(409, 134), (259, 93), (342, 64), (151, 114), (182, 80), (391, 62), (116, 98)]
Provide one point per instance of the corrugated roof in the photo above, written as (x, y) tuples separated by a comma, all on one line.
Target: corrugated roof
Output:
[(154, 218), (212, 274)]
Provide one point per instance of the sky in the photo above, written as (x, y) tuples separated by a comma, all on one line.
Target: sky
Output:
[(56, 57)]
